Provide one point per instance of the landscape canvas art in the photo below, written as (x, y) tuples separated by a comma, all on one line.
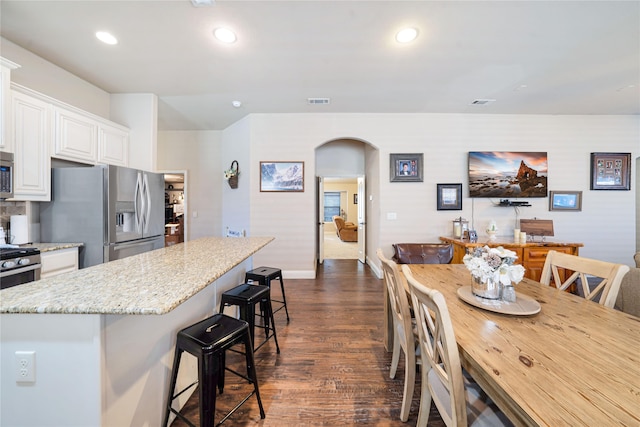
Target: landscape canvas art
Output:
[(281, 176), (502, 174)]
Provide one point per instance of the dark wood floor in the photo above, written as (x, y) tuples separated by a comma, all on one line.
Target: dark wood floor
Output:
[(332, 369)]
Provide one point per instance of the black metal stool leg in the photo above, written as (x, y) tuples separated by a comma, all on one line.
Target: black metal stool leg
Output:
[(284, 298), (208, 371), (269, 313), (252, 374), (172, 385)]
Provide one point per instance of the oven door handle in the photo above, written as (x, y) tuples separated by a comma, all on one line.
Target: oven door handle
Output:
[(20, 270)]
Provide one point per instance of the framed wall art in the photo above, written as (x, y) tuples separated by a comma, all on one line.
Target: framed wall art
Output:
[(610, 171), (406, 167), (282, 176), (449, 197), (565, 200), (503, 174)]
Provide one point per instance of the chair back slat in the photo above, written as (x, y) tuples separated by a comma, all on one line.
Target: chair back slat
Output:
[(609, 274)]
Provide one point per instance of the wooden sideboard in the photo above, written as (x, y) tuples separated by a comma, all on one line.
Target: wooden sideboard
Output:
[(531, 254)]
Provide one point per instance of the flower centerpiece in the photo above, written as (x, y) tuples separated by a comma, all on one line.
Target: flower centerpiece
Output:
[(231, 174), (494, 271)]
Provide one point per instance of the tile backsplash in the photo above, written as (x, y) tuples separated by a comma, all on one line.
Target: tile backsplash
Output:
[(31, 209), (11, 208)]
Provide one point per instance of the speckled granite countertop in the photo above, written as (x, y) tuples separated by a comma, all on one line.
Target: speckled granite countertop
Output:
[(48, 247), (155, 282)]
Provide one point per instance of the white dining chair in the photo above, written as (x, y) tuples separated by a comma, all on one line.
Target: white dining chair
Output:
[(404, 335), (609, 276), (459, 400)]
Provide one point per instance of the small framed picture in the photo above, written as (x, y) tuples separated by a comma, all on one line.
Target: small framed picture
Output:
[(406, 167), (449, 197), (610, 171), (565, 200), (282, 176), (355, 199)]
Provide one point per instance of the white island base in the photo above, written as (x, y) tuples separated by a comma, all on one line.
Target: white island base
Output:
[(100, 369)]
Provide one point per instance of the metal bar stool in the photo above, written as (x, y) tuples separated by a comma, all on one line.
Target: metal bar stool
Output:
[(246, 297), (208, 340), (264, 276)]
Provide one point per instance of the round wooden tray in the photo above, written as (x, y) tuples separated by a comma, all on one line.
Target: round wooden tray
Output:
[(524, 305)]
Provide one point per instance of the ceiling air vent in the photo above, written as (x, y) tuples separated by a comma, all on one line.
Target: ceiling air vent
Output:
[(318, 101), (482, 101)]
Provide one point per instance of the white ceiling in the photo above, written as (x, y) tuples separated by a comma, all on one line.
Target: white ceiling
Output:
[(532, 57)]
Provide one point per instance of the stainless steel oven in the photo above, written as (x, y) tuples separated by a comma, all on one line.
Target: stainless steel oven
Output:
[(18, 266), (6, 175)]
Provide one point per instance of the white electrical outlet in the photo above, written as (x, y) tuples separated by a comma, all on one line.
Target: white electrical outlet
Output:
[(25, 362)]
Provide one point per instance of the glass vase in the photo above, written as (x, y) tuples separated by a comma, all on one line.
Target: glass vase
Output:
[(508, 294)]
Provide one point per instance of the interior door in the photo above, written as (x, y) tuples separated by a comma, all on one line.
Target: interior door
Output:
[(362, 202), (320, 219)]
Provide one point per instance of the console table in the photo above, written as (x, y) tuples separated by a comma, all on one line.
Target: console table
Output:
[(531, 254)]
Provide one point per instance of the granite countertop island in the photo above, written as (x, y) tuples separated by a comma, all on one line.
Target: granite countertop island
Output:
[(103, 337), (155, 282)]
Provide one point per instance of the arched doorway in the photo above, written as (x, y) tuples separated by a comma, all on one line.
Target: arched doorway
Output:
[(346, 166)]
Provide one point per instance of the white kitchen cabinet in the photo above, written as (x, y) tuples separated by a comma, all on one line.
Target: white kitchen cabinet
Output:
[(76, 136), (58, 262), (113, 145), (32, 131), (6, 139)]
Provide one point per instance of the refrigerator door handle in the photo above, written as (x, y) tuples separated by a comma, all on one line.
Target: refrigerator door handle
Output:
[(147, 202), (132, 244), (138, 212)]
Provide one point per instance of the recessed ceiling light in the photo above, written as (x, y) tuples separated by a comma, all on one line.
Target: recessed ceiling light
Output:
[(225, 35), (107, 38), (406, 35), (236, 104)]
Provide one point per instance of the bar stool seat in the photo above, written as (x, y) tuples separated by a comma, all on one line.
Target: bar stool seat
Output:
[(208, 340), (246, 296), (264, 276)]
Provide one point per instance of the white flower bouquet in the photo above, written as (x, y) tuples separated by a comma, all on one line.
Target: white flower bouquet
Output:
[(494, 265)]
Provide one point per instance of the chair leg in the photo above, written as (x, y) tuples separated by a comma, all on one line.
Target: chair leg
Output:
[(409, 384), (395, 358), (425, 398)]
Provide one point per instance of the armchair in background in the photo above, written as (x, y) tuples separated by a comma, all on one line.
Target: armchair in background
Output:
[(347, 231)]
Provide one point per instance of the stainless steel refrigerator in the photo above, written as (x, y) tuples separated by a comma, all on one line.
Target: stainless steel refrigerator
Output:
[(116, 212)]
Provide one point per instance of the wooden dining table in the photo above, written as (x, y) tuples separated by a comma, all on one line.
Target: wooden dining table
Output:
[(574, 363)]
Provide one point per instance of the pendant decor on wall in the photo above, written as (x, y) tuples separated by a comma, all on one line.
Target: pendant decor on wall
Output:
[(232, 174)]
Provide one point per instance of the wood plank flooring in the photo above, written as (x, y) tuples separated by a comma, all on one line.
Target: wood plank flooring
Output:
[(332, 369)]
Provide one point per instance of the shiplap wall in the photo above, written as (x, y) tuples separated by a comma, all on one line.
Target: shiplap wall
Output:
[(606, 224)]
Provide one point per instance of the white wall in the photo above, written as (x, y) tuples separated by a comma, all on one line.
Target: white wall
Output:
[(199, 154), (237, 202), (606, 224), (138, 112), (45, 77)]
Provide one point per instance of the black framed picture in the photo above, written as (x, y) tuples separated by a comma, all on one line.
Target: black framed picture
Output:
[(610, 171), (565, 200), (449, 197), (406, 167)]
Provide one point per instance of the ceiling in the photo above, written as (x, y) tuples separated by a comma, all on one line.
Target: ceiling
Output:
[(531, 57)]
